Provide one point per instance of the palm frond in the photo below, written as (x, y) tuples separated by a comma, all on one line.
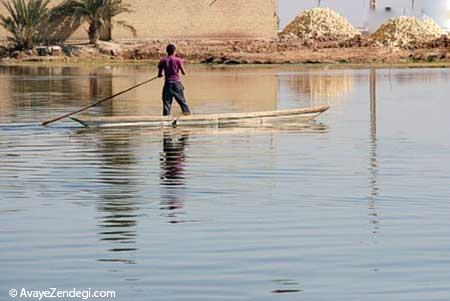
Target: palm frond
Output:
[(98, 13), (127, 26), (24, 21)]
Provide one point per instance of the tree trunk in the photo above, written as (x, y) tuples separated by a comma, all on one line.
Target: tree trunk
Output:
[(93, 32), (106, 30), (29, 44)]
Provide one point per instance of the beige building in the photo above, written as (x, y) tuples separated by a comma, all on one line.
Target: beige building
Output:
[(186, 19)]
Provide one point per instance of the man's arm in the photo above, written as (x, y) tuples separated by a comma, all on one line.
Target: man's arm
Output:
[(182, 69), (160, 70)]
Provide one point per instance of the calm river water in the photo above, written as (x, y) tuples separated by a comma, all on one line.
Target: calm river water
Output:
[(353, 207)]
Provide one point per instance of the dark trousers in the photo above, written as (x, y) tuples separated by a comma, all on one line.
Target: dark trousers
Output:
[(173, 90)]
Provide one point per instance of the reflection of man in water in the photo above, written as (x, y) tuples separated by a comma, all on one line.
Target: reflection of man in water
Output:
[(172, 170), (172, 159)]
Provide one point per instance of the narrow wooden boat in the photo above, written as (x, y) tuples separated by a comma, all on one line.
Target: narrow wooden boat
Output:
[(218, 120)]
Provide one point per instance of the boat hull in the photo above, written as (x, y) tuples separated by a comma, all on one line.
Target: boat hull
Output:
[(205, 120)]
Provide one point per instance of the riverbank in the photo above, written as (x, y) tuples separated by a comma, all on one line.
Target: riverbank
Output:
[(235, 52)]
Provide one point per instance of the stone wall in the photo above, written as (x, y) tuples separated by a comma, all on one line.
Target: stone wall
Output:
[(187, 19)]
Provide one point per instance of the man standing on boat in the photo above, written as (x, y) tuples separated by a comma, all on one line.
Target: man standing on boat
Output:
[(173, 88)]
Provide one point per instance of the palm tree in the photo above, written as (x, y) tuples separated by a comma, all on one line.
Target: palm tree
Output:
[(97, 13), (25, 21), (114, 8)]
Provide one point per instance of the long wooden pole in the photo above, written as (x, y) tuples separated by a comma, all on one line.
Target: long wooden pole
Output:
[(98, 102)]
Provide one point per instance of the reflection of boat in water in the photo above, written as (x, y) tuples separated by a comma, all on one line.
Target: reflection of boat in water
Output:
[(219, 120), (298, 127)]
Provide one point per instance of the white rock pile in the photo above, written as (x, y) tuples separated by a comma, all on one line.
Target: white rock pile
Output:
[(405, 31), (320, 25)]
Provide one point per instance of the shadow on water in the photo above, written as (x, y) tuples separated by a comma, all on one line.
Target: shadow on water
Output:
[(117, 207), (119, 185), (322, 88), (373, 161), (101, 86), (173, 158), (172, 180), (286, 286), (31, 93)]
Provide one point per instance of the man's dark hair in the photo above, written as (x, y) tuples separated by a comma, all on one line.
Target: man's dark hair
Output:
[(171, 49)]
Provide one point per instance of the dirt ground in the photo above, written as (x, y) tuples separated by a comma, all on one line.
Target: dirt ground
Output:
[(233, 52)]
